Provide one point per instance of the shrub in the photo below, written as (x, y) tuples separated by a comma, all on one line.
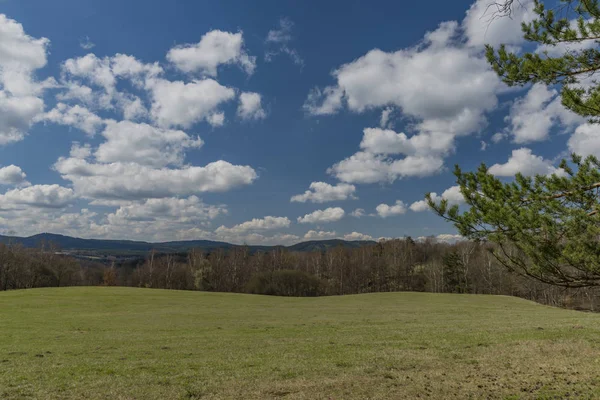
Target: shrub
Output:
[(284, 283)]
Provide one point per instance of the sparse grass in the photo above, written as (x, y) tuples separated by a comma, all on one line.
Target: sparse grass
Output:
[(124, 343)]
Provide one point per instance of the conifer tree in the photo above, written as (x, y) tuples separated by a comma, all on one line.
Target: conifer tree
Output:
[(545, 227)]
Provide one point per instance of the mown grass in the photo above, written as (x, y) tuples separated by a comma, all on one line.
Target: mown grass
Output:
[(125, 343)]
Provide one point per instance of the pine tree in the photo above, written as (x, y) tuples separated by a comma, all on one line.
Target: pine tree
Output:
[(574, 59), (545, 227)]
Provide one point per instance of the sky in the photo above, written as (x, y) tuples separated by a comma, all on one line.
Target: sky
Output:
[(263, 122)]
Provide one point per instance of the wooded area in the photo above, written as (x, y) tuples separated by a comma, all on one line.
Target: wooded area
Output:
[(394, 265)]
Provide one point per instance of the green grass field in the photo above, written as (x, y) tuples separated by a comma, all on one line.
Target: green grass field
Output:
[(124, 343)]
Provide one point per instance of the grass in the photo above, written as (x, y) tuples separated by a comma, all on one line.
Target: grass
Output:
[(125, 343)]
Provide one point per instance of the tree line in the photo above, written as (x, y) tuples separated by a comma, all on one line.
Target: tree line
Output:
[(388, 266)]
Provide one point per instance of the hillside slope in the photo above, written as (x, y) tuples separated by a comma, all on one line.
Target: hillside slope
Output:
[(99, 343), (140, 247)]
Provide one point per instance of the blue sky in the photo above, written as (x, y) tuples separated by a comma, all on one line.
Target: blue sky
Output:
[(262, 122)]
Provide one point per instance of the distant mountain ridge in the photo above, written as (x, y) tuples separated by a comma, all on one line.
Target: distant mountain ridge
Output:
[(108, 246)]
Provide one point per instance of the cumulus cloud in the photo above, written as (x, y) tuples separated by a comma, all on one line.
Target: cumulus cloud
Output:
[(278, 41), (321, 192), (532, 116), (21, 98), (257, 239), (417, 83), (75, 116), (444, 237), (42, 196), (358, 213), (183, 211), (357, 236), (319, 235), (405, 79), (325, 101), (452, 194), (585, 141), (385, 211), (331, 214), (215, 48), (365, 167), (484, 25), (131, 181), (256, 224), (144, 144), (445, 100), (384, 121), (525, 162), (13, 175), (81, 78), (180, 104), (250, 106)]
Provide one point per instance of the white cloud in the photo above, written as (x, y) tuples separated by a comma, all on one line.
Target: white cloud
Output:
[(96, 70), (444, 237), (483, 23), (75, 116), (216, 119), (20, 94), (86, 44), (444, 99), (585, 140), (214, 48), (76, 91), (144, 144), (498, 137), (357, 236), (331, 214), (385, 211), (256, 224), (30, 220), (184, 104), (420, 205), (131, 181), (250, 106), (13, 175), (384, 121), (321, 192), (532, 116), (104, 73), (364, 167), (278, 42), (182, 211), (319, 235), (452, 194), (324, 102), (358, 213), (247, 232), (417, 82), (132, 106), (43, 196), (525, 162), (386, 141), (259, 239)]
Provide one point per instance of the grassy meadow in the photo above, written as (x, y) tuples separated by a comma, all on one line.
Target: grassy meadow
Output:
[(127, 343)]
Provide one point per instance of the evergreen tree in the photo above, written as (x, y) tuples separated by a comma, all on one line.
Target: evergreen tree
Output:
[(574, 59), (546, 227)]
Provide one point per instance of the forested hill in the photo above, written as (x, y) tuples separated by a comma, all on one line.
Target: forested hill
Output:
[(138, 247)]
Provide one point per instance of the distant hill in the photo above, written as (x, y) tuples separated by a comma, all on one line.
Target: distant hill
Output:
[(130, 247), (322, 245)]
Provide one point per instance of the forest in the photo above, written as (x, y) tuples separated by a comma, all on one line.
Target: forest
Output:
[(388, 266)]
